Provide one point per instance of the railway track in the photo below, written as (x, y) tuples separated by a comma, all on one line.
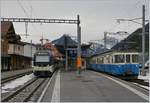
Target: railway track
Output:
[(139, 81), (26, 91), (14, 77)]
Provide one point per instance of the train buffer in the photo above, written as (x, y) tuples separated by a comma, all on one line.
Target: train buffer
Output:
[(91, 87)]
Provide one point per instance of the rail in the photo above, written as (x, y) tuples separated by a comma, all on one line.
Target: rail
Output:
[(4, 80), (23, 93)]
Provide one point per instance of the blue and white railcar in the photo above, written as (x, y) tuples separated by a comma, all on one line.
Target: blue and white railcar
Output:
[(43, 63), (116, 63)]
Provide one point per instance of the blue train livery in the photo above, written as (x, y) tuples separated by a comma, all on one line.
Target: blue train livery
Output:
[(125, 64)]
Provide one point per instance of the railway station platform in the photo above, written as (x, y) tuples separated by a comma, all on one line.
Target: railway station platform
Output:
[(92, 86), (11, 73)]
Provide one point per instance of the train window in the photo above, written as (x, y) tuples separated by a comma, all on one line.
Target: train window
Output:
[(112, 60), (119, 59), (97, 60), (109, 59), (93, 61), (19, 48), (101, 59), (106, 59), (127, 58), (135, 58)]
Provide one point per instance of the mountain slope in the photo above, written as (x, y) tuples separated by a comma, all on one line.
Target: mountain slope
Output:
[(134, 41)]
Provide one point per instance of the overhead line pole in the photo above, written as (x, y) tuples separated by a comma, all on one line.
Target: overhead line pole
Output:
[(31, 54), (66, 53), (79, 46), (143, 40), (105, 37)]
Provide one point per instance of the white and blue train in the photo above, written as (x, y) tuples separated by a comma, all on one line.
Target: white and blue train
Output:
[(43, 63), (122, 64)]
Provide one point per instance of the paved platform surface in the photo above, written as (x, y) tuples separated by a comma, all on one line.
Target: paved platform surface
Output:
[(91, 87), (7, 74)]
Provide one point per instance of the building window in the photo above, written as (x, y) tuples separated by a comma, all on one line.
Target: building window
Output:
[(8, 47), (19, 48)]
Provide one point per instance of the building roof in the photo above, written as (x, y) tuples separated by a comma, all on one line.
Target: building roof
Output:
[(65, 40), (8, 32), (134, 41), (19, 43), (7, 28), (115, 51), (26, 43)]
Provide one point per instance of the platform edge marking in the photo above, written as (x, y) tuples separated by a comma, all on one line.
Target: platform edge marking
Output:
[(129, 88), (44, 91), (56, 91)]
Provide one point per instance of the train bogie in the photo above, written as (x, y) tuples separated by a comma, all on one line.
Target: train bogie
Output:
[(42, 73)]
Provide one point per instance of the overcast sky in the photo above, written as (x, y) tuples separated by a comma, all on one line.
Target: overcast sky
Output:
[(97, 16)]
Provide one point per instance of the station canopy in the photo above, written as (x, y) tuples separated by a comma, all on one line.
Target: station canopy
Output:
[(65, 41)]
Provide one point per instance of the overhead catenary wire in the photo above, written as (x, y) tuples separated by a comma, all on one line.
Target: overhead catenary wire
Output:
[(27, 15), (31, 8), (135, 20), (126, 12)]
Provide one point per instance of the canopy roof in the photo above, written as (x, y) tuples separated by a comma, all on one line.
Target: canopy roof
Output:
[(65, 41)]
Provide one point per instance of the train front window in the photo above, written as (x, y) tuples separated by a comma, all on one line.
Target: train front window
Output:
[(135, 58), (119, 59), (127, 58)]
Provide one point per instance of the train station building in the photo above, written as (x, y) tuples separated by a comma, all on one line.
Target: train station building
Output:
[(12, 49), (67, 46)]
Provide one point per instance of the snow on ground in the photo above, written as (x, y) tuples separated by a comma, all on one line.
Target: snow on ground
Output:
[(145, 78), (15, 83)]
